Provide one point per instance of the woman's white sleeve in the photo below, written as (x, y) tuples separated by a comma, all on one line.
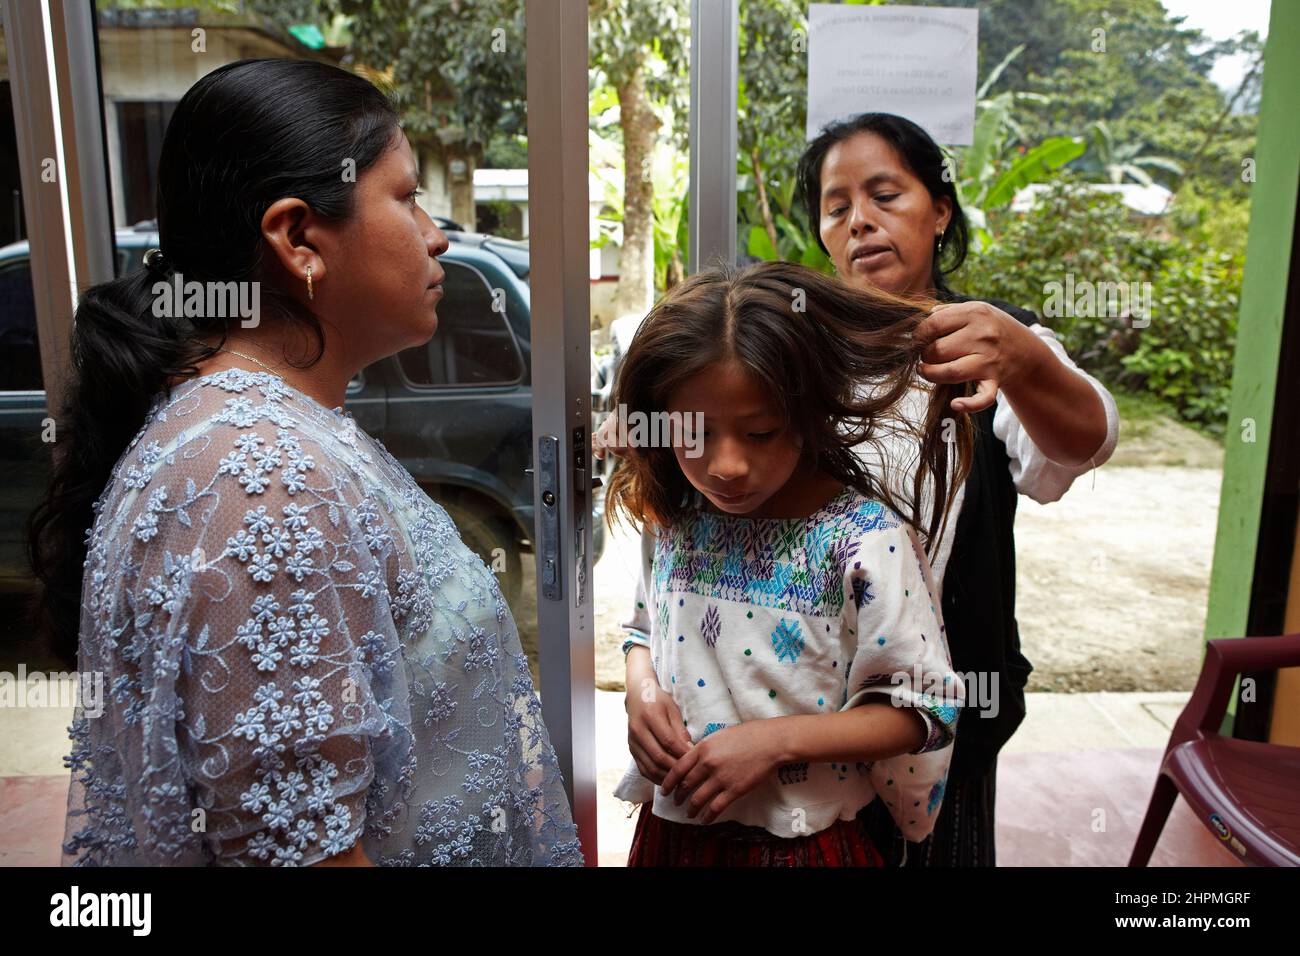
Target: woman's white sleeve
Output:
[(1034, 474)]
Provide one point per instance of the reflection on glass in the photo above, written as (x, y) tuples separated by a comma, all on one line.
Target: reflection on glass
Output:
[(140, 131), (474, 344), (456, 412), (23, 456)]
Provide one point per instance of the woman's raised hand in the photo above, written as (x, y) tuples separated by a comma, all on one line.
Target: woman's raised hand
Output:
[(976, 342)]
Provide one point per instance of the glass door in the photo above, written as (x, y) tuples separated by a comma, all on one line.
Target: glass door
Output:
[(492, 416)]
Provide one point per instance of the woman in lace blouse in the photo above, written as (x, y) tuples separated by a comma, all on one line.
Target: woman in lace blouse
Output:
[(302, 662)]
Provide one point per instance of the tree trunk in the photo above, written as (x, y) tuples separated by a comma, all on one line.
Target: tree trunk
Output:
[(1194, 163), (636, 259), (763, 206), (676, 270), (461, 186)]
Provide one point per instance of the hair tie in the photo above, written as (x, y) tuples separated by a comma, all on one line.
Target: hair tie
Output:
[(157, 262)]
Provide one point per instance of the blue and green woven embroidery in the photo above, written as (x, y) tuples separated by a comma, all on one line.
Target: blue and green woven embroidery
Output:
[(796, 565)]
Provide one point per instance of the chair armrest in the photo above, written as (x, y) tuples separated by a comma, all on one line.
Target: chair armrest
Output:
[(1258, 653), (1225, 658)]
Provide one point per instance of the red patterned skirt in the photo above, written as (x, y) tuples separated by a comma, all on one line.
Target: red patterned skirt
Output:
[(660, 842)]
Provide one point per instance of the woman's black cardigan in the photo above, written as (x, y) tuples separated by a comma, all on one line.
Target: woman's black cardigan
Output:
[(979, 596)]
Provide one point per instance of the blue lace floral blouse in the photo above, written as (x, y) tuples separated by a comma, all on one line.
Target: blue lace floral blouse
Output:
[(297, 651)]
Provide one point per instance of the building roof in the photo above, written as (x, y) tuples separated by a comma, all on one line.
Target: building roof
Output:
[(1153, 200), (210, 19)]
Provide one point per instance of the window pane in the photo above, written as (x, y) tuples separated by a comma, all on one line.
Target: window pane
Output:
[(470, 452), (20, 355), (11, 190), (24, 457), (473, 344)]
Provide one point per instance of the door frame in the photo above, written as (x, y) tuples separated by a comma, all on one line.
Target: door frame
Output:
[(59, 113), (1246, 552), (557, 64)]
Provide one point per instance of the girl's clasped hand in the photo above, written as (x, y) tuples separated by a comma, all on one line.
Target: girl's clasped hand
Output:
[(712, 774)]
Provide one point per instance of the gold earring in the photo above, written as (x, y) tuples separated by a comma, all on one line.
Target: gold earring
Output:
[(310, 294)]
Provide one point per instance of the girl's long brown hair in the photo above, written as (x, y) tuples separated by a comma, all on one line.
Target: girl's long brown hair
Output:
[(837, 362)]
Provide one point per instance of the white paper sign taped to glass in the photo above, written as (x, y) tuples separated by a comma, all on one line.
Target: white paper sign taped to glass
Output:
[(918, 62)]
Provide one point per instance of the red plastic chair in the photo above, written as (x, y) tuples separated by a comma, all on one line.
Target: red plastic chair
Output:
[(1246, 793)]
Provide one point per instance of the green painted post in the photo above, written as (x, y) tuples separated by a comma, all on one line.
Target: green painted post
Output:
[(1259, 329)]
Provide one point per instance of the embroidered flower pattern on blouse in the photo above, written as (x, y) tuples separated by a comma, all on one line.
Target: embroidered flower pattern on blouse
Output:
[(299, 653)]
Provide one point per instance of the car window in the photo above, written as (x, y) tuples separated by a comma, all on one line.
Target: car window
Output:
[(20, 353), (473, 344)]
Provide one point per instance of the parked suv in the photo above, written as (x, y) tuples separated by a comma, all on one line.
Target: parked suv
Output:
[(456, 412)]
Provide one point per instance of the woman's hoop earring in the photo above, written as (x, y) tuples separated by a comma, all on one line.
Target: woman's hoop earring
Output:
[(310, 294)]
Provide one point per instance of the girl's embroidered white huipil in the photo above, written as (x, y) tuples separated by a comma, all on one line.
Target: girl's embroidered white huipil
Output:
[(750, 618), (297, 652)]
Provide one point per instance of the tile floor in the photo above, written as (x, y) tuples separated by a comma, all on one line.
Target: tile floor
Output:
[(1072, 785)]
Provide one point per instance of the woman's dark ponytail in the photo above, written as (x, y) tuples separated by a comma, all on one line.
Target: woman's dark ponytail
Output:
[(121, 356), (244, 136)]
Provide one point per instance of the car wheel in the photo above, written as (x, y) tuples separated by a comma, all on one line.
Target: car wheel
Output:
[(488, 536)]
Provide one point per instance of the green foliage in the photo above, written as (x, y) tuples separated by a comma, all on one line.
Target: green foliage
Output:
[(1035, 165), (671, 225), (1145, 76), (637, 49), (1071, 90), (1183, 356), (1208, 214), (669, 172), (1114, 162), (1132, 66), (455, 68), (771, 109), (646, 36), (506, 152), (501, 213), (1189, 362)]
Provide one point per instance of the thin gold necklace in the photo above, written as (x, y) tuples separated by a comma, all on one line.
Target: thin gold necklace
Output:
[(277, 375), (251, 359)]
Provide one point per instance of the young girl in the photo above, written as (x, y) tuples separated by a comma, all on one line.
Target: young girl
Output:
[(786, 661)]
